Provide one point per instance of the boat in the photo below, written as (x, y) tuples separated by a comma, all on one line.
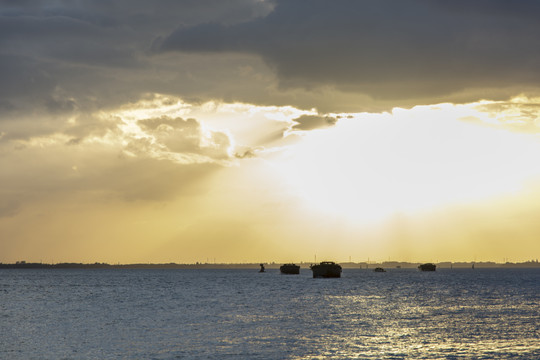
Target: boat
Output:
[(290, 269), (379, 269), (326, 269), (427, 267), (262, 268)]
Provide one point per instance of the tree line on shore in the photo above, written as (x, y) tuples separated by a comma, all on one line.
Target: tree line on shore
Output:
[(272, 265)]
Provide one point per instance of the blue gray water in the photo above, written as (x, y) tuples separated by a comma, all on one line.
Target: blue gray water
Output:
[(241, 314)]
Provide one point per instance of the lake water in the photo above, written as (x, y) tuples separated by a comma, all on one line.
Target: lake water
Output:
[(241, 314)]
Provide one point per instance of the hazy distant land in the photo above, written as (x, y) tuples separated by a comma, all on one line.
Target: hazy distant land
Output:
[(273, 265)]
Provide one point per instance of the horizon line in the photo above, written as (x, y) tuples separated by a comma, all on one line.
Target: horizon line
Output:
[(266, 263)]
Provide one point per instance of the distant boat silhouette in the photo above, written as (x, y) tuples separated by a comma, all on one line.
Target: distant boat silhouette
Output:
[(326, 269), (262, 268), (379, 269), (427, 267), (290, 269)]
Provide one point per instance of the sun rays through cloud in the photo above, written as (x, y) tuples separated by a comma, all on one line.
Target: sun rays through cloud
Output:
[(268, 127)]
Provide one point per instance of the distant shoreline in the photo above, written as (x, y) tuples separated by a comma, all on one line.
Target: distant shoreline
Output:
[(273, 265)]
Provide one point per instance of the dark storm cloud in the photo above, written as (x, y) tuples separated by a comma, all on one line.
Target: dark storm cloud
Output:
[(22, 78), (388, 49), (60, 60), (67, 60)]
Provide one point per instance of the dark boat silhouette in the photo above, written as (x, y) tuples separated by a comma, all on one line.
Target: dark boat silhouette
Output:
[(262, 268), (326, 269), (379, 269), (290, 269), (427, 267)]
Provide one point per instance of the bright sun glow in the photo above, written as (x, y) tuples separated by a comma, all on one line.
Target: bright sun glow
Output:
[(374, 165)]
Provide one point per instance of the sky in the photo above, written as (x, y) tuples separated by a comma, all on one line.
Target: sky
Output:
[(258, 131)]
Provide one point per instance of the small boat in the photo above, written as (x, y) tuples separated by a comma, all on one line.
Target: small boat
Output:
[(262, 268), (290, 269), (427, 267), (379, 269), (326, 269)]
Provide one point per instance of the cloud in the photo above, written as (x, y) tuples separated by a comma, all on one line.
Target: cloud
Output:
[(75, 59), (310, 122), (386, 49), (63, 63), (520, 114), (181, 137), (124, 154)]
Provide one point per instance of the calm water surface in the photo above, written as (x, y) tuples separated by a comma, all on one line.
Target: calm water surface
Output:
[(241, 314)]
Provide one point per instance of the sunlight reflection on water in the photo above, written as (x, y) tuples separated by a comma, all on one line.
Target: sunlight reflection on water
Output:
[(240, 314)]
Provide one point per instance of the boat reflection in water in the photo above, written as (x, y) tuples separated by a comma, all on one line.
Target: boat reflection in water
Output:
[(326, 269), (290, 269)]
